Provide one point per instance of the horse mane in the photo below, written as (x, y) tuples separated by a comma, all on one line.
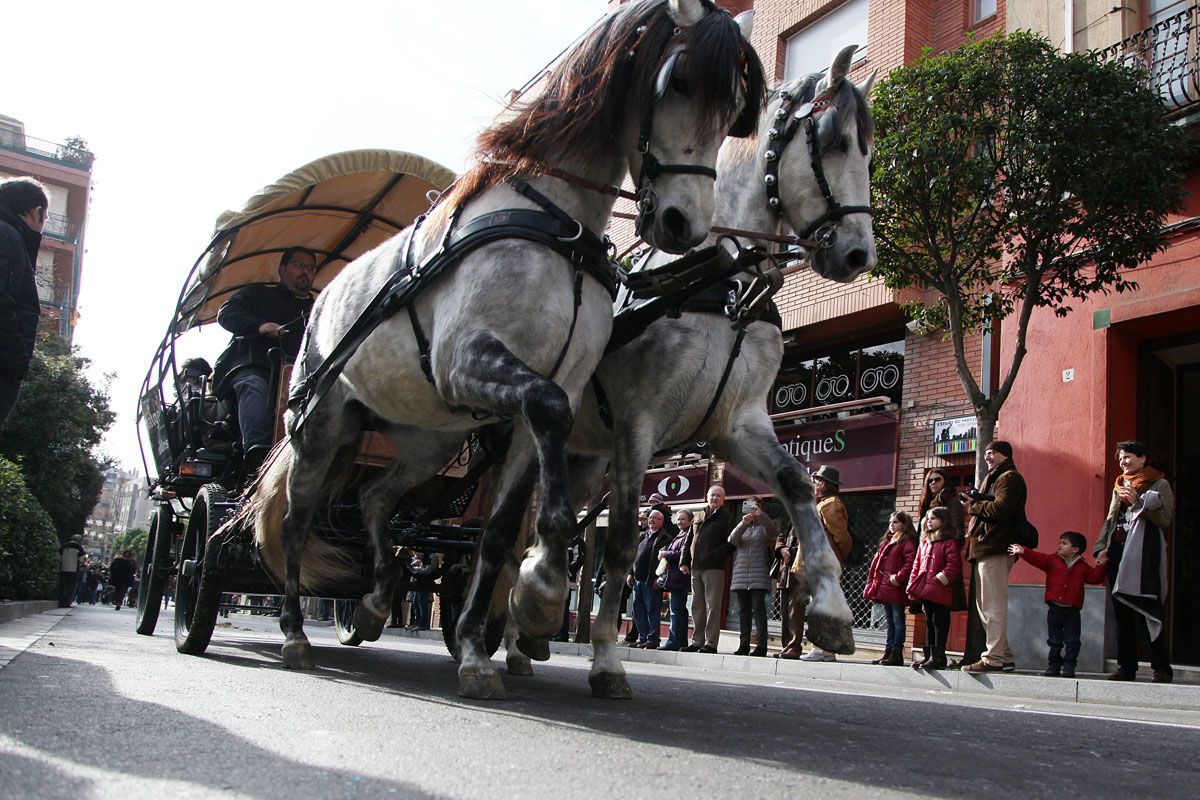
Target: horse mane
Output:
[(589, 94), (848, 100)]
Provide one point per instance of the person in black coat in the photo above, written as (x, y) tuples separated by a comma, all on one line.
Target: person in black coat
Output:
[(120, 573), (23, 207), (261, 317)]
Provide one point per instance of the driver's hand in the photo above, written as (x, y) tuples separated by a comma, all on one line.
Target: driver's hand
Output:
[(270, 329)]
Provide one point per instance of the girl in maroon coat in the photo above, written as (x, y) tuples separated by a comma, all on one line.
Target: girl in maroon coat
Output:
[(937, 566), (887, 580)]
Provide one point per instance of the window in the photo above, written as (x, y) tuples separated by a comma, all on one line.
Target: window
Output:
[(840, 377), (982, 9), (812, 49)]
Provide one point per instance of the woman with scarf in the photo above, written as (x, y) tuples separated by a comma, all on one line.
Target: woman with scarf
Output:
[(1133, 537)]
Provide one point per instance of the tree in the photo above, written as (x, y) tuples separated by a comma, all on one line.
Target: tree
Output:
[(52, 432), (1011, 177), (29, 549)]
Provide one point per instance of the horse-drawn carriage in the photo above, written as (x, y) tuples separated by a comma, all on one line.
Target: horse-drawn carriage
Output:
[(338, 207)]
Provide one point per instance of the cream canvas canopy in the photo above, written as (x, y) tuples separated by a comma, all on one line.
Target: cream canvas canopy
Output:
[(339, 206)]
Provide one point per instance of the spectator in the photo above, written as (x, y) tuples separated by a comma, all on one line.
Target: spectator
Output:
[(1134, 544), (70, 558), (754, 540), (938, 563), (887, 582), (120, 572), (647, 597), (705, 560), (631, 635), (938, 491), (793, 593), (657, 503), (676, 581), (1066, 573), (831, 509), (997, 511), (92, 584), (23, 206)]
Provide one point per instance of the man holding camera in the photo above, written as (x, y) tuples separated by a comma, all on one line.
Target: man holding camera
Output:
[(997, 510)]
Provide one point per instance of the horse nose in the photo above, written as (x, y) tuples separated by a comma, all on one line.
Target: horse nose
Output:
[(857, 260), (676, 225)]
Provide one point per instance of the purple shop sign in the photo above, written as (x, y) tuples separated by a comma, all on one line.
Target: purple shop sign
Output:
[(679, 485), (863, 449)]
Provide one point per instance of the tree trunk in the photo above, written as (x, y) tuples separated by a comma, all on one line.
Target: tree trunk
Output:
[(985, 431)]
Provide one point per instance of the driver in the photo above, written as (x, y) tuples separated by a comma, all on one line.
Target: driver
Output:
[(262, 316)]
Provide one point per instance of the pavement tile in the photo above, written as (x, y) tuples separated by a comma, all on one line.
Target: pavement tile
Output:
[(1031, 686)]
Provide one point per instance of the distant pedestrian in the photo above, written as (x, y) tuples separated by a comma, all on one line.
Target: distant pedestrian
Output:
[(827, 481), (676, 581), (70, 557), (120, 572), (937, 565), (24, 204), (1142, 508), (887, 582), (706, 561), (793, 593), (754, 538), (1066, 573), (647, 597)]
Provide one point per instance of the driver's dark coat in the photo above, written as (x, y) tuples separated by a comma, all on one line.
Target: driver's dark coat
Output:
[(244, 313), (19, 306)]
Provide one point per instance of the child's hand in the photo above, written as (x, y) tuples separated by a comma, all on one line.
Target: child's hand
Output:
[(893, 581), (1102, 558), (942, 579), (1016, 550)]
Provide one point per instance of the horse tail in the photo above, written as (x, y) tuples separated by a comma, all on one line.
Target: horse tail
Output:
[(322, 565)]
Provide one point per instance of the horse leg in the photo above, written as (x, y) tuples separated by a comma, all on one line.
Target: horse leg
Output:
[(516, 663), (424, 454), (631, 452), (751, 446), (477, 676), (487, 374)]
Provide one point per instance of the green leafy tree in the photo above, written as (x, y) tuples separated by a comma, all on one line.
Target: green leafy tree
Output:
[(52, 434), (1011, 177), (28, 544)]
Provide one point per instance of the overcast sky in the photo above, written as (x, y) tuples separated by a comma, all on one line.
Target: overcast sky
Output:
[(190, 109)]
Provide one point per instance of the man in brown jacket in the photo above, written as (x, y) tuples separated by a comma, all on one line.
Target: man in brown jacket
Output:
[(827, 481), (997, 511)]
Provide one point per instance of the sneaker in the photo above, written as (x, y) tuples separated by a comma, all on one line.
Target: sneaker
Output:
[(818, 655)]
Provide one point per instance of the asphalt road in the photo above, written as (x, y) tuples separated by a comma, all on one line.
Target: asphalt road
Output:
[(93, 710)]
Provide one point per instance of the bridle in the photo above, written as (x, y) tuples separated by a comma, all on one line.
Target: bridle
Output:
[(820, 122)]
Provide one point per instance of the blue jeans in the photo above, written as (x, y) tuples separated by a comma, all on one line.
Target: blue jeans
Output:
[(894, 616), (647, 611), (1063, 628), (678, 635), (253, 408)]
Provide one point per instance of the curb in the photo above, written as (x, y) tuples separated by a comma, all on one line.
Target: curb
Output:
[(24, 608), (1095, 690)]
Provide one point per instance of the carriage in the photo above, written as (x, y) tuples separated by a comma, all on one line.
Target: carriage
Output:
[(340, 207)]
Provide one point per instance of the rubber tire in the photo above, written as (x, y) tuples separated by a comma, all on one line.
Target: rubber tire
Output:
[(158, 550), (343, 622), (452, 605), (198, 596)]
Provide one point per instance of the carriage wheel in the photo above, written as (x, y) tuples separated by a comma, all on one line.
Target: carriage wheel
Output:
[(343, 622), (452, 597), (155, 568), (197, 589)]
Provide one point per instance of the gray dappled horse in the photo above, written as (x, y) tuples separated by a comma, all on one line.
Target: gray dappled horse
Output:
[(660, 385), (513, 329)]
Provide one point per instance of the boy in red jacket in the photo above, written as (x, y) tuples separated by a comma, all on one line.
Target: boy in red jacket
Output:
[(1066, 573)]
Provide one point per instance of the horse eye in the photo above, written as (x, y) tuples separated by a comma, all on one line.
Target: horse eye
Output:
[(680, 86)]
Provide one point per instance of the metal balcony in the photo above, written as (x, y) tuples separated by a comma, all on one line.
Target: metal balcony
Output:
[(69, 154), (60, 228), (1167, 53)]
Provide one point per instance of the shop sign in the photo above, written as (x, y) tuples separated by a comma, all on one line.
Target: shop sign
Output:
[(863, 448), (956, 435), (677, 485)]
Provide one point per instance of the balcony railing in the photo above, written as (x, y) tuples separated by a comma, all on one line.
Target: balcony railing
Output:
[(61, 228), (68, 153), (1167, 53)]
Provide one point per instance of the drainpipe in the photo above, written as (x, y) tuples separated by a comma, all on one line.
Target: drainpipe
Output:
[(1069, 26)]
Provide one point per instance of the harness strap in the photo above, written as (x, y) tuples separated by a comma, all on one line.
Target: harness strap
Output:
[(422, 344)]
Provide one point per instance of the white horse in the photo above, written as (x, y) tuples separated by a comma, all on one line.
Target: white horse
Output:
[(512, 328), (660, 386)]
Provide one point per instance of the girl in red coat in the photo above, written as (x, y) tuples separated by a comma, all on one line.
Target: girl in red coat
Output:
[(887, 580), (938, 565)]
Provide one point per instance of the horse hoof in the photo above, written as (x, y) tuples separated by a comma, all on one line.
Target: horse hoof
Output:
[(298, 655), (537, 648), (478, 686), (610, 686), (518, 666), (536, 616), (368, 626), (831, 635)]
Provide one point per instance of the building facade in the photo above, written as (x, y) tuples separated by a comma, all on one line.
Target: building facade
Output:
[(124, 504), (66, 170)]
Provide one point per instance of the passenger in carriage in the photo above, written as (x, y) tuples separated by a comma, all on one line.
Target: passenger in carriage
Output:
[(260, 317)]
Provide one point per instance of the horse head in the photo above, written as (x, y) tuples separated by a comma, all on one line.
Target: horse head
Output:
[(705, 82), (821, 183)]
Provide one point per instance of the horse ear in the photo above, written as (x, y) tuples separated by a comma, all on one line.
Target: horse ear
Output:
[(745, 23), (866, 86), (839, 67), (685, 12)]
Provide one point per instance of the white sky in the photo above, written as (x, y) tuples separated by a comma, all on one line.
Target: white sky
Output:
[(191, 109)]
